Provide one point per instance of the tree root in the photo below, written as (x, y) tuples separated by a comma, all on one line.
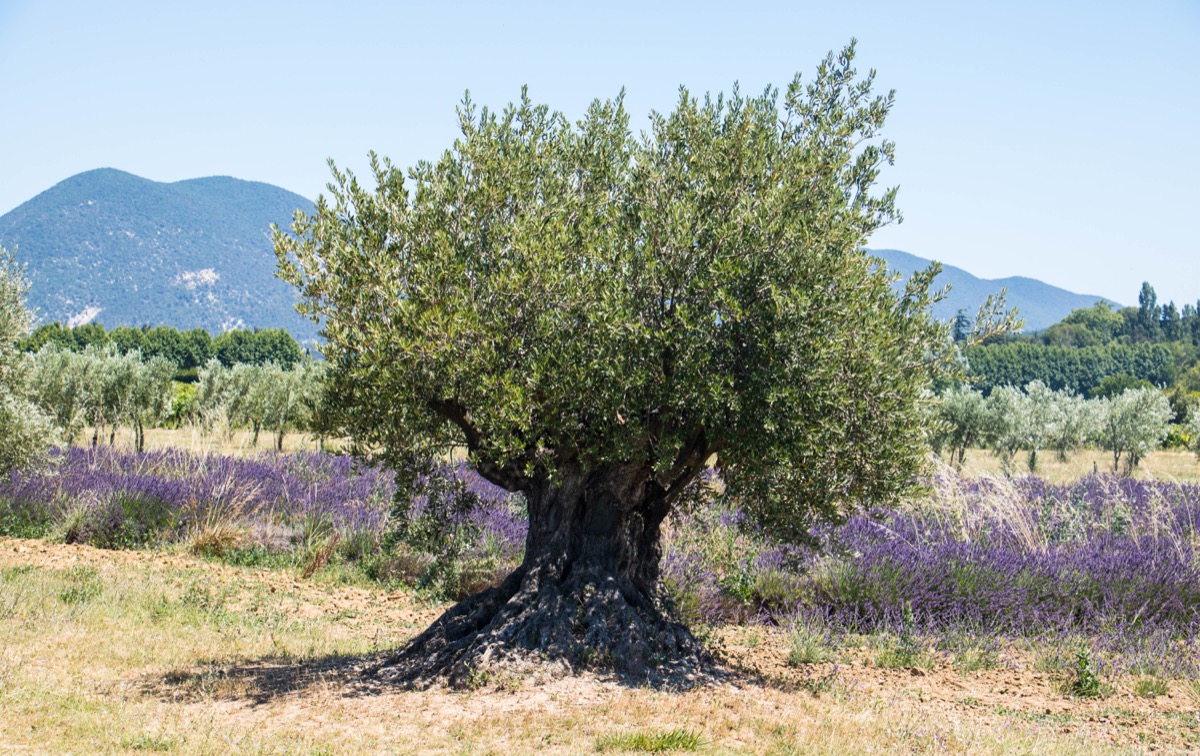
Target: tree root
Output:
[(535, 623)]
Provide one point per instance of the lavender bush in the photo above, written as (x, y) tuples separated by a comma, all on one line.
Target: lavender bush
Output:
[(116, 498)]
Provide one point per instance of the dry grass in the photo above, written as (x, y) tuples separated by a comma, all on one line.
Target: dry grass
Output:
[(194, 439), (1161, 465), (146, 651)]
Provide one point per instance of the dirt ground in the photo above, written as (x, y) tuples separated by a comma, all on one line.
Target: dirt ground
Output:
[(152, 651)]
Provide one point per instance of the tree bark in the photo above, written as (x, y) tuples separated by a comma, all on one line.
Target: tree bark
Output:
[(586, 594)]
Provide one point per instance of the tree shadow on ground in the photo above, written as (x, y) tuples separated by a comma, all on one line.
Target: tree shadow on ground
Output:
[(260, 681)]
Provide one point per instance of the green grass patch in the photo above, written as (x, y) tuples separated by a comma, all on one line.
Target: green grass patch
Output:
[(806, 646), (1150, 687), (148, 743), (83, 585), (1034, 716), (905, 652), (975, 659), (650, 742)]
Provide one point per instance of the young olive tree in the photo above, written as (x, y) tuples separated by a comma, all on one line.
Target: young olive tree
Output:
[(64, 384), (1076, 421), (1007, 423), (288, 391), (595, 316), (26, 433), (1135, 423), (962, 412), (1041, 413), (213, 388)]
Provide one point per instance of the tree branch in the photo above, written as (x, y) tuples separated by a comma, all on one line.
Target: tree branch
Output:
[(508, 476)]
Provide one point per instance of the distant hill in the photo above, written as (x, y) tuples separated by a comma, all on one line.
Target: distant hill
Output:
[(118, 249), (1040, 304)]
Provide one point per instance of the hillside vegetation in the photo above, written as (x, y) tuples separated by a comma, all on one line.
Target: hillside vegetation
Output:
[(110, 247)]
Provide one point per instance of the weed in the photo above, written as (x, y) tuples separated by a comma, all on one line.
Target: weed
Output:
[(1085, 683), (147, 743), (1150, 687), (650, 742), (1192, 687), (1053, 659), (477, 679), (807, 646), (975, 659), (216, 537)]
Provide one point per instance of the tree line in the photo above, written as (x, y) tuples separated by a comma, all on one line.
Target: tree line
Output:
[(1037, 419), (1099, 352), (187, 350), (104, 389)]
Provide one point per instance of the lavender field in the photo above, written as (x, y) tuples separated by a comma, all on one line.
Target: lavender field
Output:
[(1106, 566)]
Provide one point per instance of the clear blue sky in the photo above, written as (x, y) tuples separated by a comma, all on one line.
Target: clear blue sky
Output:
[(1057, 140)]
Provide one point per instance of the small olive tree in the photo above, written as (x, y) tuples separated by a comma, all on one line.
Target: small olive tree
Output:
[(1007, 423), (26, 433), (1135, 422), (1041, 414), (597, 316), (963, 418), (1076, 421)]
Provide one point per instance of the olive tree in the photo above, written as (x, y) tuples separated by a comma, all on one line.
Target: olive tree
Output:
[(1135, 423), (148, 399), (963, 416), (1007, 423), (26, 433), (64, 385), (597, 316), (1041, 414), (1076, 421)]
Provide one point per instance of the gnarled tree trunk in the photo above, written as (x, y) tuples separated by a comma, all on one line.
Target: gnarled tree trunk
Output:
[(586, 594)]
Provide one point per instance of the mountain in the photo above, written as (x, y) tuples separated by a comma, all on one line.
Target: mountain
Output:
[(118, 249), (1040, 304)]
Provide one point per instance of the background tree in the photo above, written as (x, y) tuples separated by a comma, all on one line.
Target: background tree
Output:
[(1007, 423), (595, 316), (26, 434), (1041, 415), (1076, 422), (1193, 427), (1134, 424), (1147, 314), (963, 414)]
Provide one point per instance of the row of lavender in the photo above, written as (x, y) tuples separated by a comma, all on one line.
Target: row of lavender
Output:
[(1106, 557)]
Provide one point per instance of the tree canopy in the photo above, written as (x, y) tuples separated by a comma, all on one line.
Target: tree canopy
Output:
[(596, 314), (549, 291)]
